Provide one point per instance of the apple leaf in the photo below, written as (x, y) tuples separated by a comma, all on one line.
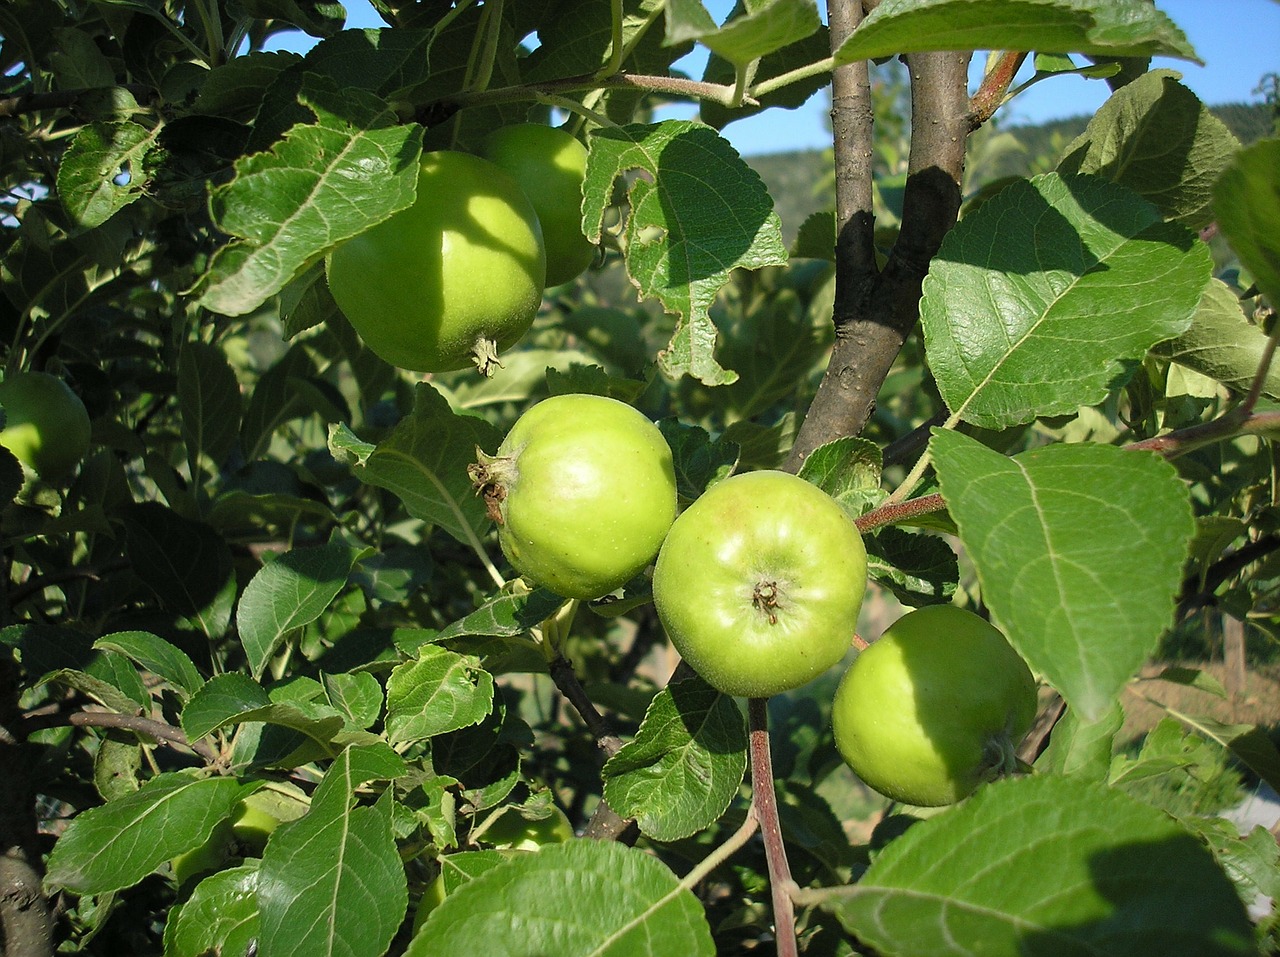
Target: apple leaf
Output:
[(290, 592), (697, 212), (760, 28), (1079, 552), (1156, 137), (575, 899), (1080, 747), (220, 917), (437, 692), (1046, 865), (918, 569), (209, 400), (1042, 299), (219, 701), (685, 764), (162, 658), (1112, 28), (331, 884), (700, 461), (102, 170), (1222, 344), (114, 846), (324, 182), (847, 469), (1246, 201), (424, 461)]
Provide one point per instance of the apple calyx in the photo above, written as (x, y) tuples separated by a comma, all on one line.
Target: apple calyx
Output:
[(485, 355), (492, 475)]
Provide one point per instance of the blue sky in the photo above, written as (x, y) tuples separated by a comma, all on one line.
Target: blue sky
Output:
[(1239, 41)]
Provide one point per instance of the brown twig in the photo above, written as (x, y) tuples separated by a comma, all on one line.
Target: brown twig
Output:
[(606, 824), (764, 804), (30, 587), (994, 87), (1198, 591), (11, 106), (893, 512), (163, 733)]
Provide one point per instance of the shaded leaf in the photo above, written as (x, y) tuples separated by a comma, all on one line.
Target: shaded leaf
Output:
[(424, 461), (1155, 136), (220, 916), (1046, 865), (1246, 202)]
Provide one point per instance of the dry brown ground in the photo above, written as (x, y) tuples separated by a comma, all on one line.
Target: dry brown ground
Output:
[(1258, 702)]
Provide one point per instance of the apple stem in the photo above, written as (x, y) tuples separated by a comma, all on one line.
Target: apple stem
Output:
[(764, 805)]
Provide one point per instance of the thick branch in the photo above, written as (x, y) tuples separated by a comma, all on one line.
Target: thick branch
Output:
[(869, 340), (26, 922)]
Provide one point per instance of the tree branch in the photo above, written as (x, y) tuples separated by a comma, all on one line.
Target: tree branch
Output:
[(606, 824), (11, 106), (871, 330), (163, 733), (764, 805), (995, 86), (26, 921)]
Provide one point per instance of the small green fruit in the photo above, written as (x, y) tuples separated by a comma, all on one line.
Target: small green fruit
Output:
[(46, 425)]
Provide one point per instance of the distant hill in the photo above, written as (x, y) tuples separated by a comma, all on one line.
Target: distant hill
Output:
[(792, 177)]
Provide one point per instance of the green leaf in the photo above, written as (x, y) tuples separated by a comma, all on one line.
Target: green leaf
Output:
[(424, 461), (1046, 865), (1079, 552), (1111, 28), (158, 656), (438, 692), (847, 469), (331, 884), (357, 695), (1222, 344), (505, 616), (93, 165), (116, 845), (209, 400), (1246, 201), (699, 213), (324, 182), (919, 569), (222, 698), (700, 461), (110, 680), (812, 49), (1156, 137), (184, 562), (684, 766), (574, 899), (1082, 748), (760, 28), (1247, 742), (290, 592), (816, 238), (220, 916), (1042, 299)]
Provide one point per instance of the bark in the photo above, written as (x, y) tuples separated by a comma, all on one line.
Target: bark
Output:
[(874, 313), (26, 921)]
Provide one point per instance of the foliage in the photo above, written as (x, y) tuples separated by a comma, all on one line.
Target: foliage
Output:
[(1047, 398)]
